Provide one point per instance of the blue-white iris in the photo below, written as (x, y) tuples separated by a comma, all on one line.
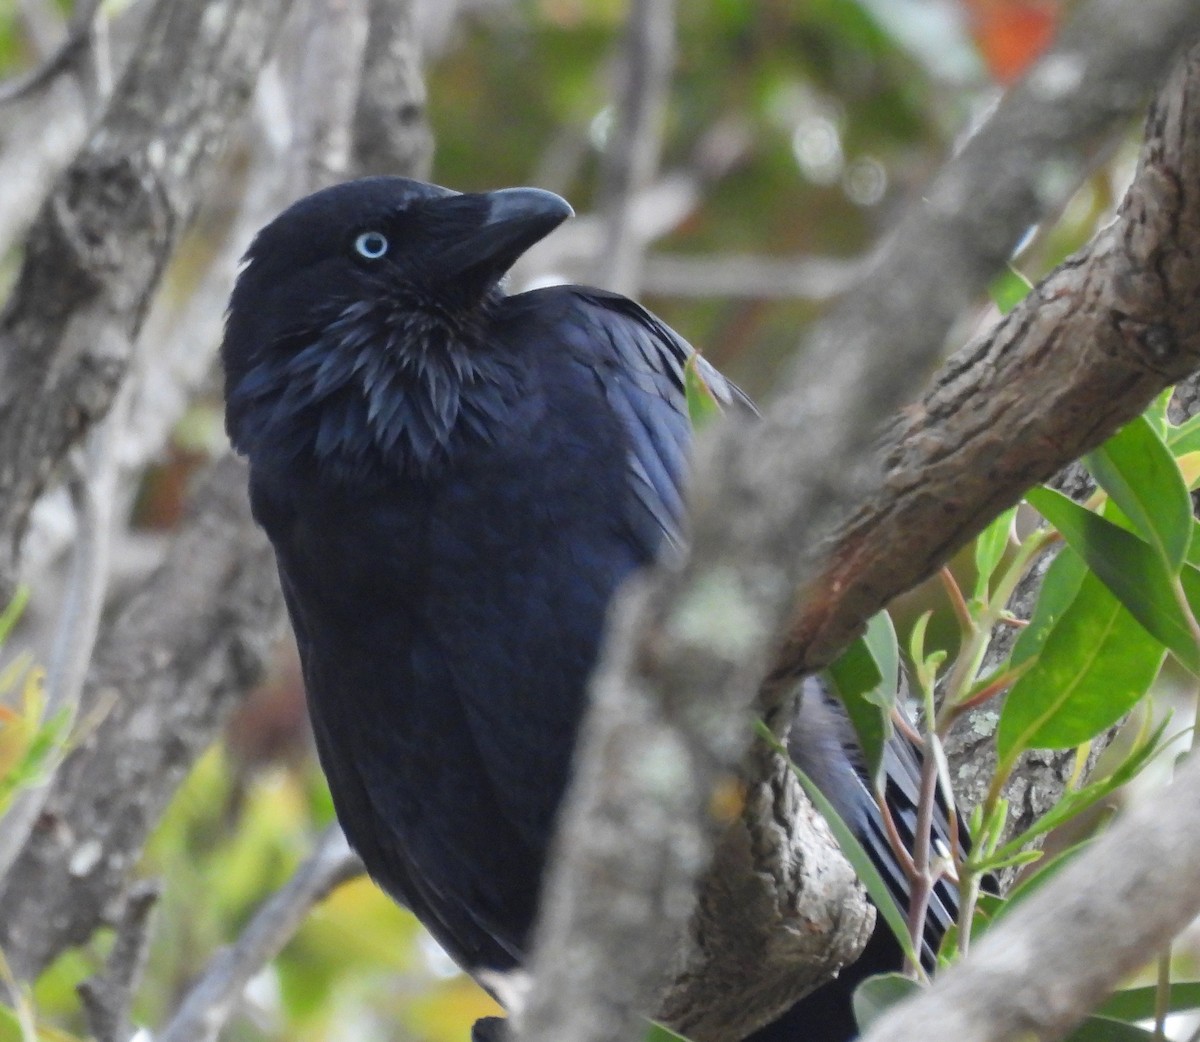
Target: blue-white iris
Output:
[(371, 245)]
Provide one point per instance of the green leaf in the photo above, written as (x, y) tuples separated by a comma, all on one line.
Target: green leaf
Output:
[(1030, 883), (1156, 412), (701, 402), (1185, 438), (1189, 467), (1101, 1029), (10, 615), (865, 678), (924, 666), (852, 850), (876, 995), (1094, 667), (1140, 1003), (997, 864), (1075, 801), (1193, 549), (1059, 587), (1138, 471), (990, 545), (885, 650), (11, 1030), (1009, 289), (1129, 568), (657, 1032), (38, 759)]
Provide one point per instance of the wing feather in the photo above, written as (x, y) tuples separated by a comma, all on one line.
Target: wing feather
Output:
[(639, 363)]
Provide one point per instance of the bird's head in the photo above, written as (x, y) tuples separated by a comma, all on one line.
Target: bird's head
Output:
[(355, 331)]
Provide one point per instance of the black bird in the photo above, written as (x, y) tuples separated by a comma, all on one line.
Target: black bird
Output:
[(456, 481)]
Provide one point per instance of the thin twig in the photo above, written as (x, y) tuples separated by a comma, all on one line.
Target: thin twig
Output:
[(69, 52), (758, 278), (94, 491), (213, 998), (922, 880), (107, 997), (895, 840)]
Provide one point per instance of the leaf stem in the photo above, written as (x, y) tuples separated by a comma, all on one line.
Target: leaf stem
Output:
[(1162, 995)]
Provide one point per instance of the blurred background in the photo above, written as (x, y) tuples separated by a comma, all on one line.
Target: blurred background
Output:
[(787, 135)]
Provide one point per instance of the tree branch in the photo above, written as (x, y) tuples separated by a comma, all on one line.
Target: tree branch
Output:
[(213, 998), (168, 669), (634, 144), (391, 133), (326, 89), (79, 615), (97, 249), (736, 275), (687, 648), (108, 996), (80, 34)]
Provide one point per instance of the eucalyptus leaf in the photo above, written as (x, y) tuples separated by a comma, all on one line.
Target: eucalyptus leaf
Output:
[(1138, 471), (1130, 569), (865, 678), (876, 995), (1102, 1029), (1094, 667), (1008, 289), (10, 615), (1156, 412), (990, 545), (1185, 438), (1075, 801), (1059, 587), (656, 1032), (1029, 884), (997, 864), (1189, 467), (1140, 1003), (851, 677), (885, 650)]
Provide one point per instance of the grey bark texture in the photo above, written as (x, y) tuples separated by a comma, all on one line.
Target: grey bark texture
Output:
[(97, 249), (391, 133), (168, 669)]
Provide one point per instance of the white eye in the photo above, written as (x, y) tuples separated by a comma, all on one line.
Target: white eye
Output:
[(371, 245)]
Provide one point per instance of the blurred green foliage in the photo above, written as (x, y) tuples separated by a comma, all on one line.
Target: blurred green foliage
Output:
[(524, 93)]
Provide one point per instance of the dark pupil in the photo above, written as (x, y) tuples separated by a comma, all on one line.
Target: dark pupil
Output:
[(372, 244)]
